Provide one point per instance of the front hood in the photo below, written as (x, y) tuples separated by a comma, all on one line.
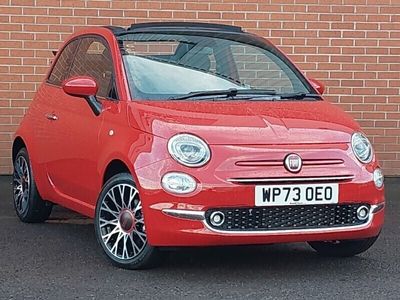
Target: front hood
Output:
[(250, 123)]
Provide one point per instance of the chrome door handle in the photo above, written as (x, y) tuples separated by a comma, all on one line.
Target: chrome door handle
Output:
[(52, 117)]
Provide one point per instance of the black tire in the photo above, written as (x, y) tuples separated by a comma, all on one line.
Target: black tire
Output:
[(344, 248), (29, 206), (147, 256)]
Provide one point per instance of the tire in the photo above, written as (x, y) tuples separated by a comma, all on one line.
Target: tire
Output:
[(120, 227), (29, 206), (344, 248)]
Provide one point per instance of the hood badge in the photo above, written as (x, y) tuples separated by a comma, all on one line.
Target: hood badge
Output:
[(293, 163)]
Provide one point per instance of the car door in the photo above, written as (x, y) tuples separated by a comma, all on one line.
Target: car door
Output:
[(74, 145), (43, 108)]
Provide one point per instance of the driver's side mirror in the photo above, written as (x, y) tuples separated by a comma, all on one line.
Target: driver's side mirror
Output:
[(318, 85), (86, 87)]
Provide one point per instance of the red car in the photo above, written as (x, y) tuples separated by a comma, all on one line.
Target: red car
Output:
[(191, 134)]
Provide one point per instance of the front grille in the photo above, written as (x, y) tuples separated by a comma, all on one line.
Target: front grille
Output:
[(287, 217)]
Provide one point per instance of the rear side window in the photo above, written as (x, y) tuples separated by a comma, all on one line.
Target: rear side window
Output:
[(61, 68), (93, 59)]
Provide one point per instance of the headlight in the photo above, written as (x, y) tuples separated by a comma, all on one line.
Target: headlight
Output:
[(362, 148), (189, 150), (178, 183), (378, 178)]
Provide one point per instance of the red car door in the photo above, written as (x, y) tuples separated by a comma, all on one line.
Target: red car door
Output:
[(73, 147), (43, 109)]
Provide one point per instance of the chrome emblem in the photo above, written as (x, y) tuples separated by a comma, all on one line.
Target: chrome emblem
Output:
[(293, 163)]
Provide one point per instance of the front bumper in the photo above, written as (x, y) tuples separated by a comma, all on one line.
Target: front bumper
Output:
[(188, 228), (173, 220)]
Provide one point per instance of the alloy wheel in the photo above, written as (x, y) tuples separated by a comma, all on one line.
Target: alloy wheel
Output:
[(121, 222), (21, 184)]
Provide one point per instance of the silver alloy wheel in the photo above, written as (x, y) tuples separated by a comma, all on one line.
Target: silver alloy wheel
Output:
[(21, 184), (121, 222)]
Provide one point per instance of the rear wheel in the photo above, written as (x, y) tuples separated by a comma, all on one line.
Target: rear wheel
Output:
[(120, 226), (28, 204), (343, 248)]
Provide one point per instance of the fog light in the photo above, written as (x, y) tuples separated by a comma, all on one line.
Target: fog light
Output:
[(378, 178), (362, 213), (217, 218), (178, 183)]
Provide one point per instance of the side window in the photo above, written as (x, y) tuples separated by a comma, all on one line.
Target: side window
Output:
[(61, 68), (94, 59)]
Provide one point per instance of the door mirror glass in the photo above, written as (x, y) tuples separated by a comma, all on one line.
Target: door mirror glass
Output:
[(81, 86), (318, 85)]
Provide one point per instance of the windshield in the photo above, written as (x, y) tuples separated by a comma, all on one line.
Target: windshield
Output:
[(166, 66)]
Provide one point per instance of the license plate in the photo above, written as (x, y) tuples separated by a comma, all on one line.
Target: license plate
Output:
[(302, 194)]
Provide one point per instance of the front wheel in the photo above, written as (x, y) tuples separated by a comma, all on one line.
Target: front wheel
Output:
[(120, 226), (344, 248)]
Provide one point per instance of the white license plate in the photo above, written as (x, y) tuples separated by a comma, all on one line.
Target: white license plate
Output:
[(302, 194)]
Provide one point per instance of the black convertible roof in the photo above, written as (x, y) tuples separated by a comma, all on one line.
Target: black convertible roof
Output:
[(174, 26)]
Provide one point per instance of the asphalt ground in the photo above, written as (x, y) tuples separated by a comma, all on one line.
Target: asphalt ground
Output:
[(60, 259)]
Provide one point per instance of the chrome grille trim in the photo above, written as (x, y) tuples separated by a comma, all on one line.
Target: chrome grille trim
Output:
[(300, 231), (200, 215), (295, 231), (270, 218), (291, 179), (279, 162)]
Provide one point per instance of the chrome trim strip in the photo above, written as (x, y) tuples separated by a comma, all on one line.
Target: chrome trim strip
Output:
[(378, 207), (185, 214), (290, 179)]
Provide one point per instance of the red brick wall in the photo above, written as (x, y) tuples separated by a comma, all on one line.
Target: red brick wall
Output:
[(351, 45)]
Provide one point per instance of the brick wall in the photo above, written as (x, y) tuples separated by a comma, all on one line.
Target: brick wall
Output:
[(351, 45)]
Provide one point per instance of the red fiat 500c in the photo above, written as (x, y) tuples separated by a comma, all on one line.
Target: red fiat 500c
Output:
[(190, 134)]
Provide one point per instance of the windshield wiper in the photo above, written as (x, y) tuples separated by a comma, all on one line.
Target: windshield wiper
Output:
[(298, 96), (231, 93)]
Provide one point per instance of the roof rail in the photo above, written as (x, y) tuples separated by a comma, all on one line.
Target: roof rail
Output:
[(184, 25)]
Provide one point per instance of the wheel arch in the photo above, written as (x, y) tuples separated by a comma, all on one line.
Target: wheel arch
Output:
[(18, 144), (114, 167)]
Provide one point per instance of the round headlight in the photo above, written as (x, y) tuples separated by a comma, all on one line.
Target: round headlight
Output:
[(189, 150), (178, 183), (362, 148), (378, 178)]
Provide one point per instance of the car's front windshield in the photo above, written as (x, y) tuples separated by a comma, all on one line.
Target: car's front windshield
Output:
[(166, 66)]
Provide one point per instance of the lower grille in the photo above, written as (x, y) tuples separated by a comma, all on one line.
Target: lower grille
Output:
[(287, 217)]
